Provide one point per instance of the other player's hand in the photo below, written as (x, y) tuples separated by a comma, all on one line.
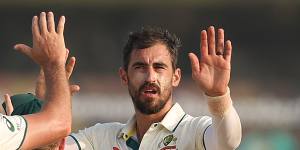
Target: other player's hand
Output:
[(48, 44)]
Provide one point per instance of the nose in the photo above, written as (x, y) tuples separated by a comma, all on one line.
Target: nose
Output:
[(151, 75)]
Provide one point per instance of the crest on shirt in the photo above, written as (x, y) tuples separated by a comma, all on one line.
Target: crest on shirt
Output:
[(168, 143)]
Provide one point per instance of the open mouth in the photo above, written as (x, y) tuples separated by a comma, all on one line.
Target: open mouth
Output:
[(150, 92)]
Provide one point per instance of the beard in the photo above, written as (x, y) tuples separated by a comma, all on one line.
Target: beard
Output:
[(150, 105)]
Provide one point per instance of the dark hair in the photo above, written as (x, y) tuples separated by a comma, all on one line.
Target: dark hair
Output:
[(148, 37)]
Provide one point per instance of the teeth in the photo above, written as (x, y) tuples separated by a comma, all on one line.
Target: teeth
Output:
[(150, 91)]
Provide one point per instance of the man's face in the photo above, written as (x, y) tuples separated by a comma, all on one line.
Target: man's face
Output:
[(151, 78)]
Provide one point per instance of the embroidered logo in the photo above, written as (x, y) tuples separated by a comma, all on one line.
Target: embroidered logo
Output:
[(168, 139), (168, 143)]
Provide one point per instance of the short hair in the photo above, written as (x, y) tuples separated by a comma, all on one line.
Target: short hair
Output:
[(148, 37)]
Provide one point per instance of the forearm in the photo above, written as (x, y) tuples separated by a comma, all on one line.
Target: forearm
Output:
[(54, 121), (58, 94), (225, 132)]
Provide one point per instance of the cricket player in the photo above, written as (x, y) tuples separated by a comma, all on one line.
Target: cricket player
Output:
[(150, 72), (54, 121), (24, 104)]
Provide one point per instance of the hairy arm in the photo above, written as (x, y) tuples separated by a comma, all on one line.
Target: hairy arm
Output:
[(54, 121)]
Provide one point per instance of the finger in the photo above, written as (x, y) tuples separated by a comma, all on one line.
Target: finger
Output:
[(8, 103), (228, 50), (220, 42), (24, 49), (50, 21), (67, 54), (74, 89), (203, 46), (61, 25), (43, 23), (211, 41), (194, 63), (35, 27), (70, 67)]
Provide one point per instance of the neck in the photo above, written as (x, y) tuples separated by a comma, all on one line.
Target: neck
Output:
[(144, 121)]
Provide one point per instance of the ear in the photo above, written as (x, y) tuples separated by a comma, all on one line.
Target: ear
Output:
[(176, 77), (123, 76)]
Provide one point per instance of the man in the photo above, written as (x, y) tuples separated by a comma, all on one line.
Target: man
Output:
[(25, 132), (150, 72), (24, 104)]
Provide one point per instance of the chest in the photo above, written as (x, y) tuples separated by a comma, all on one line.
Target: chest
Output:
[(157, 138)]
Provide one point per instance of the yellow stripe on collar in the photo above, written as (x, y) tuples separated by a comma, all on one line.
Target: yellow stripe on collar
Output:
[(126, 136)]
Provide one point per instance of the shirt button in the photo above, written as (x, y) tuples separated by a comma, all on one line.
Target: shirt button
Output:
[(155, 125)]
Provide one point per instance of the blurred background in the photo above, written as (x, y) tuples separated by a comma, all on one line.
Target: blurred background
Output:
[(265, 67)]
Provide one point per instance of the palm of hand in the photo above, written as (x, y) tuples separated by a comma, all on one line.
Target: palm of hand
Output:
[(213, 76), (212, 71)]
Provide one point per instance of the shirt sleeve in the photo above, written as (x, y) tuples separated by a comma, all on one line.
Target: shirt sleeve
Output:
[(225, 132), (13, 131), (83, 140)]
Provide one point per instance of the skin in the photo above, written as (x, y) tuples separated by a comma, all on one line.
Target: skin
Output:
[(49, 52), (41, 92), (151, 65), (40, 88), (211, 73)]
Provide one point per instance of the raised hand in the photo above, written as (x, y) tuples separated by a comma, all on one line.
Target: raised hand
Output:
[(48, 44), (212, 71)]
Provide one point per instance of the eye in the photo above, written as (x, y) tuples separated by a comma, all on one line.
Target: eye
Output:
[(159, 67), (139, 67)]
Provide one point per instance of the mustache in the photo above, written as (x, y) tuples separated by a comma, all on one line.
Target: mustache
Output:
[(149, 85)]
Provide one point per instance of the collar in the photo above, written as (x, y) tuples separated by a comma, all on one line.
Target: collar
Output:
[(170, 122), (129, 129), (173, 117)]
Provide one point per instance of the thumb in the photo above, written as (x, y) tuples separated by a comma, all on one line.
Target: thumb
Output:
[(74, 89), (23, 49), (194, 63), (70, 67), (9, 106)]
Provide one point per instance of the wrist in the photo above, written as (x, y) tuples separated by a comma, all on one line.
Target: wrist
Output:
[(217, 93), (51, 69), (218, 105)]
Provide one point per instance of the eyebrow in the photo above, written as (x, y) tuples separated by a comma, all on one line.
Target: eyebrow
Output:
[(145, 64), (139, 64), (160, 64)]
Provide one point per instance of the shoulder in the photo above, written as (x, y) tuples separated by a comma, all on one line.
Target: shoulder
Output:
[(200, 123), (197, 120), (93, 136), (106, 126), (101, 129)]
